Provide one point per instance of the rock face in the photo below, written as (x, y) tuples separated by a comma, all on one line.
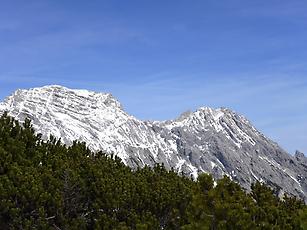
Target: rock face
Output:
[(217, 141)]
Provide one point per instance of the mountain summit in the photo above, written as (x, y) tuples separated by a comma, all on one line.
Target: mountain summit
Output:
[(217, 141)]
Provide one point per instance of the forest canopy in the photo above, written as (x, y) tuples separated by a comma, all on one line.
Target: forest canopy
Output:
[(45, 184)]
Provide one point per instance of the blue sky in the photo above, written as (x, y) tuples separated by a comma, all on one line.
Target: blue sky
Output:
[(160, 58)]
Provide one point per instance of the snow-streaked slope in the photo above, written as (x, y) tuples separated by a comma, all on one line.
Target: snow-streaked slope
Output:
[(217, 141)]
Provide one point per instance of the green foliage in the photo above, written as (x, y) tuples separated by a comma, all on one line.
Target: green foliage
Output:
[(47, 185)]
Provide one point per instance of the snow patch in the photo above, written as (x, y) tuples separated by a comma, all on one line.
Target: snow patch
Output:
[(213, 165)]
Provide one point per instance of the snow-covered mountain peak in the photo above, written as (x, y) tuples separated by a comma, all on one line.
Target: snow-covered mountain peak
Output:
[(202, 117), (52, 95), (210, 113), (70, 114)]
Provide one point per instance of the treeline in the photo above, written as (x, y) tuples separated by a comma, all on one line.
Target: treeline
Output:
[(47, 185)]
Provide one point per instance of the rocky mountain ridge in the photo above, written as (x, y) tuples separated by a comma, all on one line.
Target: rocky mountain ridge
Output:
[(217, 141)]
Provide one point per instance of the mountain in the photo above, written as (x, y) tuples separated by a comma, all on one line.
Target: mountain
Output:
[(216, 141)]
